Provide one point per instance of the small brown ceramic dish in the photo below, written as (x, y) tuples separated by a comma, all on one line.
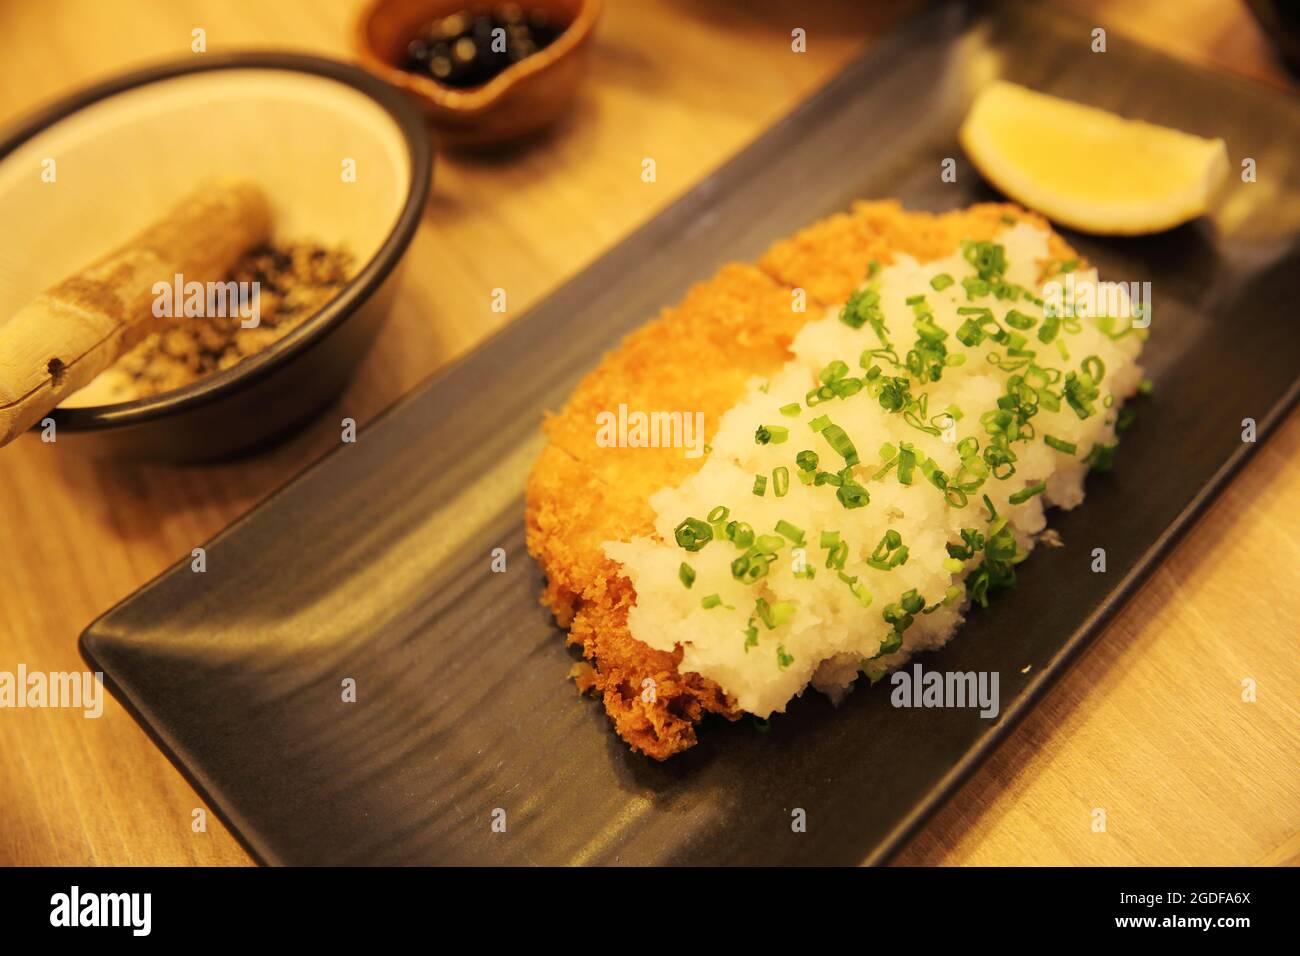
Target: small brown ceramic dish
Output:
[(523, 98)]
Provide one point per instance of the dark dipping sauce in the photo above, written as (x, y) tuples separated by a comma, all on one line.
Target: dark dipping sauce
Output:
[(470, 47)]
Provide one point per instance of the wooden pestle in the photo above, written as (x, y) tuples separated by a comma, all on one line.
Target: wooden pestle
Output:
[(70, 333)]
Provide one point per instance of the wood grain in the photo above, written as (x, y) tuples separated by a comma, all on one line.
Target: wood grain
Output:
[(1149, 726)]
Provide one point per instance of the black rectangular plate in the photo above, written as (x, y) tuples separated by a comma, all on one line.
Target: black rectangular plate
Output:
[(374, 565)]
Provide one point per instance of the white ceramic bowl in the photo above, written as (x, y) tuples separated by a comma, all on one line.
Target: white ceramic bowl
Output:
[(126, 150)]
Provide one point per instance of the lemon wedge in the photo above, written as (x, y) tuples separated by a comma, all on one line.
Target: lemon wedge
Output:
[(1089, 169)]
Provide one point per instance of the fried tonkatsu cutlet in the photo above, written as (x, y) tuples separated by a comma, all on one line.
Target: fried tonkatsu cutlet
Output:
[(696, 357)]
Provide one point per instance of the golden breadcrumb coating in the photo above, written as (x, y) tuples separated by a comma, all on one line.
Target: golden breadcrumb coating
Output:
[(830, 257), (696, 357)]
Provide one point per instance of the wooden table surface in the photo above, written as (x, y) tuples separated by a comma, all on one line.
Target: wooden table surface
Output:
[(1149, 726)]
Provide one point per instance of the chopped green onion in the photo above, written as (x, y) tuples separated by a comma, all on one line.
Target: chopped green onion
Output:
[(816, 396), (1100, 457), (974, 287), (774, 615), (833, 372), (790, 532), (863, 308), (1018, 320), (941, 282), (760, 485), (740, 534), (693, 534), (780, 481), (1020, 497), (972, 543), (988, 258), (771, 434), (894, 394), (860, 592), (791, 410), (719, 513), (852, 495), (751, 566), (820, 422), (783, 660), (710, 602), (846, 387), (1080, 393), (889, 553), (969, 333), (906, 462), (842, 444), (686, 574), (1060, 444), (807, 460)]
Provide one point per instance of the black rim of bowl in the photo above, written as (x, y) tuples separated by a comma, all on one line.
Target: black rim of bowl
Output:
[(266, 362)]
